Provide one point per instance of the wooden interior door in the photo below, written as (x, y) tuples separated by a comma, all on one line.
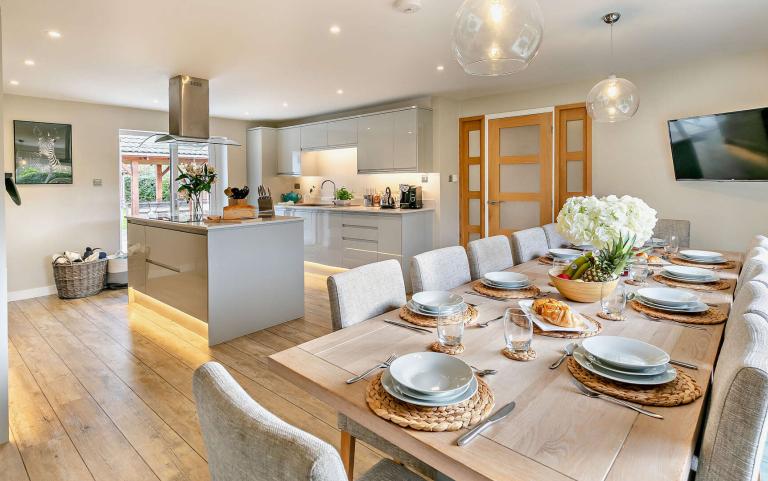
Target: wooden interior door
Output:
[(573, 158), (471, 178), (519, 173)]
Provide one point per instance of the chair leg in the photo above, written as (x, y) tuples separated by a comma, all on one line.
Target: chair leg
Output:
[(348, 453)]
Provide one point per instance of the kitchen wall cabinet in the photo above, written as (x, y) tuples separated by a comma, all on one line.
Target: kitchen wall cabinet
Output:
[(399, 141), (260, 155), (375, 143), (342, 132), (314, 136), (289, 151)]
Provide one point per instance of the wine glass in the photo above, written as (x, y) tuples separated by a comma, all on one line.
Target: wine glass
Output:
[(518, 330)]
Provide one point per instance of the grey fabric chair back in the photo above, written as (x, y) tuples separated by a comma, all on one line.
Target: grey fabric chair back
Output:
[(529, 244), (488, 255), (365, 292), (758, 241), (755, 263), (554, 239), (440, 269), (736, 424), (245, 441), (681, 228)]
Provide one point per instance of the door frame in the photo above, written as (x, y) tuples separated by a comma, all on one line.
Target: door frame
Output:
[(516, 113), (464, 179)]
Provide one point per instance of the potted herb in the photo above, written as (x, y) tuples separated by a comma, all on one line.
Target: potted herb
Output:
[(343, 197)]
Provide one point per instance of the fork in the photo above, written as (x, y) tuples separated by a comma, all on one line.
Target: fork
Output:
[(484, 372), (666, 321), (486, 323), (381, 365), (594, 394)]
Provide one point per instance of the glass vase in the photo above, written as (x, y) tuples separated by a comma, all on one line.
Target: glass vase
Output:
[(196, 209)]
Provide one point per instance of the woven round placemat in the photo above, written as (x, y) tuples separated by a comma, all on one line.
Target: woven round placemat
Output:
[(505, 294), (452, 350), (611, 317), (420, 418), (469, 316), (566, 334), (528, 355), (710, 286), (716, 267), (546, 260), (713, 315), (633, 282), (683, 390)]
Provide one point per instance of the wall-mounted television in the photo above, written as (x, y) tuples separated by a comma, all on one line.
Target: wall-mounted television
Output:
[(730, 146)]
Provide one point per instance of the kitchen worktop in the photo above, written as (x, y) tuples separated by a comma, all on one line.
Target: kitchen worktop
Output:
[(204, 227), (356, 209)]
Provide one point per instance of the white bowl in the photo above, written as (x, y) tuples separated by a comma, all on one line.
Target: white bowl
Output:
[(433, 300), (695, 254), (625, 352), (668, 296), (431, 372), (507, 278), (689, 272), (566, 254)]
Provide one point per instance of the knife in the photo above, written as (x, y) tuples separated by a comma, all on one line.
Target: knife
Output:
[(498, 416), (406, 326)]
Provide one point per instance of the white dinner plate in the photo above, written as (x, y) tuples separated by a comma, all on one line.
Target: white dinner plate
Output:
[(656, 242), (446, 312), (689, 309), (504, 278), (696, 280), (696, 254), (567, 254), (431, 372), (625, 352), (651, 371), (668, 375), (720, 260), (685, 271), (510, 287), (433, 300), (389, 385), (527, 307), (668, 296)]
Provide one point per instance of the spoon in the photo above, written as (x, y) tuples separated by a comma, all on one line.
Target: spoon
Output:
[(484, 372), (568, 351), (486, 323)]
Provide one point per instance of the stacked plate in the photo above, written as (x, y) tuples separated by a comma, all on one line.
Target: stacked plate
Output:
[(429, 379), (436, 303), (670, 300), (625, 360), (692, 275), (703, 257), (565, 254), (506, 280), (655, 242)]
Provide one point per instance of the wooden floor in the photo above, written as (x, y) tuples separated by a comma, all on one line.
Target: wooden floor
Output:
[(101, 391)]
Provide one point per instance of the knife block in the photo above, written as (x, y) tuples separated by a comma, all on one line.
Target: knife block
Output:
[(239, 209)]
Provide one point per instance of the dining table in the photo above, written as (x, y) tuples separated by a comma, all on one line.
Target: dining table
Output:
[(554, 433)]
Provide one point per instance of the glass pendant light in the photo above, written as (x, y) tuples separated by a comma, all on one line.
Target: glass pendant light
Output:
[(613, 99), (497, 37)]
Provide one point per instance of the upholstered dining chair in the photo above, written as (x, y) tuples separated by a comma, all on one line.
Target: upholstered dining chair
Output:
[(356, 295), (488, 255), (680, 228), (737, 421), (245, 441), (755, 260), (440, 269), (554, 239), (529, 244), (365, 292), (758, 241)]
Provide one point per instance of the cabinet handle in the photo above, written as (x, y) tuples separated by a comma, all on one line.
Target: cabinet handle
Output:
[(360, 240), (372, 227), (164, 266)]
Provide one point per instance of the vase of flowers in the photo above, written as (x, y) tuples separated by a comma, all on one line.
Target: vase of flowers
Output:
[(615, 226), (194, 179)]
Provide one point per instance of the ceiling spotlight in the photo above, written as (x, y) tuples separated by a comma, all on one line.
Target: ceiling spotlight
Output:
[(339, 91), (335, 29), (440, 68), (53, 34), (285, 104), (155, 101), (14, 82), (29, 62), (247, 113)]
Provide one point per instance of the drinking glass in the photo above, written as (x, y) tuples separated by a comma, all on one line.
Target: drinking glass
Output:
[(639, 271), (673, 245), (450, 328), (613, 302), (518, 330)]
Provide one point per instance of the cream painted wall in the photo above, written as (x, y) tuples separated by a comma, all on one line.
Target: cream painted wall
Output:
[(53, 218), (633, 157)]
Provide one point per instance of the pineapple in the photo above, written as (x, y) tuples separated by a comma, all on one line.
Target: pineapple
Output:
[(609, 262)]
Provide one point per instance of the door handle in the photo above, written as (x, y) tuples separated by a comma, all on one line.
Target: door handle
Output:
[(495, 202)]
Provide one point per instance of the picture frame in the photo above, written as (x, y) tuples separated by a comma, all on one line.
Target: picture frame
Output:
[(42, 152)]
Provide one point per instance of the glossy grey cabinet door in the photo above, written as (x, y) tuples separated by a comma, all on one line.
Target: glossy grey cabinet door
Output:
[(314, 136), (342, 132), (137, 245), (289, 151), (375, 143), (406, 140)]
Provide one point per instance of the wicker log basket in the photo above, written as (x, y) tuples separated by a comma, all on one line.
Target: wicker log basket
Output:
[(79, 279)]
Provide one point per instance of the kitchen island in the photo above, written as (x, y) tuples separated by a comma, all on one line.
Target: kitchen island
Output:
[(220, 280)]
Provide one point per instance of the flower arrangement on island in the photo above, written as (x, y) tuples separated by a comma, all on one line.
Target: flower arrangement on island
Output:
[(614, 225), (194, 179)]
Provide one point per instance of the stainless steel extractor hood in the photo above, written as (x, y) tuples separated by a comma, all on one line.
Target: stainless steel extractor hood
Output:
[(188, 119)]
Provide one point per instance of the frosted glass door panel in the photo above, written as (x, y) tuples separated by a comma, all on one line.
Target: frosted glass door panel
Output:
[(520, 215), (474, 236), (575, 176), (519, 141), (474, 211), (474, 177), (574, 135), (474, 143), (519, 178)]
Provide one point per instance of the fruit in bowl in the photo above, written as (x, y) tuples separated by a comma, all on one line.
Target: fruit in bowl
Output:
[(587, 275)]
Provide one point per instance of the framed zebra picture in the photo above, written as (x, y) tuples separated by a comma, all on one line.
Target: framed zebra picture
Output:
[(42, 152)]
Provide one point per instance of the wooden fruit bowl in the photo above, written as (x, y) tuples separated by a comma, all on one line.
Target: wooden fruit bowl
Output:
[(580, 291)]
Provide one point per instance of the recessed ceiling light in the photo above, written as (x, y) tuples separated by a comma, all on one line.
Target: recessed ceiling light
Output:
[(339, 91), (285, 104), (53, 34), (14, 82), (440, 68), (155, 101), (246, 113), (29, 62), (335, 29)]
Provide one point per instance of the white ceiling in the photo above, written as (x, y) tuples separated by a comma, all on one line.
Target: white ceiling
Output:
[(259, 54)]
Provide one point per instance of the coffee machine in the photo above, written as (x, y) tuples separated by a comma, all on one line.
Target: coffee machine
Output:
[(410, 197)]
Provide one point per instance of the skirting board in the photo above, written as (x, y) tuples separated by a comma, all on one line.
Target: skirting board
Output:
[(31, 293)]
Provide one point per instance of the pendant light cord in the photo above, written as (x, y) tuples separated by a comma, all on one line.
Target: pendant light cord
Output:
[(611, 58)]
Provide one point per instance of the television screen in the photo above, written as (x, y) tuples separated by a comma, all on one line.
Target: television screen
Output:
[(731, 146)]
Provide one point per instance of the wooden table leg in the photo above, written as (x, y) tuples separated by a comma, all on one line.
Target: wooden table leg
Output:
[(348, 453)]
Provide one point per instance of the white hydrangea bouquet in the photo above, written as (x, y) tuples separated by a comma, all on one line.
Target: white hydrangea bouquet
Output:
[(612, 224)]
